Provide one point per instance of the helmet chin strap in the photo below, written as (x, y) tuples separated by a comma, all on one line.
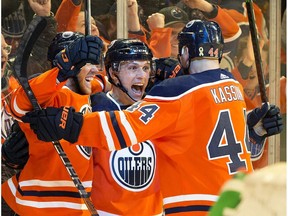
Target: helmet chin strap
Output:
[(77, 86), (120, 86), (185, 70)]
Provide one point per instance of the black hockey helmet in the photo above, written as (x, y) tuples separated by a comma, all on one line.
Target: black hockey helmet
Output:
[(126, 50), (60, 41), (203, 38)]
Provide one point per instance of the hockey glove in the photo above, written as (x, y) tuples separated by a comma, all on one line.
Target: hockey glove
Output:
[(52, 124), (15, 149), (83, 50), (262, 123), (167, 68)]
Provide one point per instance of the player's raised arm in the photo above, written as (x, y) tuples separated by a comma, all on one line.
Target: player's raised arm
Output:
[(109, 130), (67, 64)]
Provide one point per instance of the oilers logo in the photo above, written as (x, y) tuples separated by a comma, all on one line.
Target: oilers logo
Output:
[(134, 168)]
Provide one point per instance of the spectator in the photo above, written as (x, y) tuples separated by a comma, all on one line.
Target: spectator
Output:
[(164, 27)]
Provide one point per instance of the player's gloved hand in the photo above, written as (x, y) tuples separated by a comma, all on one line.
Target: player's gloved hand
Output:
[(164, 68), (263, 122), (52, 124), (84, 50), (167, 68), (15, 149)]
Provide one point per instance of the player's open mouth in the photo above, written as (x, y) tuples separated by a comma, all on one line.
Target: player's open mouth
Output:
[(137, 88), (88, 78)]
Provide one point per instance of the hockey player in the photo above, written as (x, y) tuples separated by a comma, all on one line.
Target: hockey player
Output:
[(197, 122), (126, 181), (44, 187)]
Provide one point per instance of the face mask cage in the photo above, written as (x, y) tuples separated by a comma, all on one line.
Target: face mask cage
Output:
[(101, 65)]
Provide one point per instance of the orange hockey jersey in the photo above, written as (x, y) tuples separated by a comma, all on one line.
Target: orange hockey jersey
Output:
[(126, 182), (198, 124), (44, 186)]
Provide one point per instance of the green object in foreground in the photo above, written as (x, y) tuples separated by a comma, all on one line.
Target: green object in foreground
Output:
[(227, 199), (230, 197)]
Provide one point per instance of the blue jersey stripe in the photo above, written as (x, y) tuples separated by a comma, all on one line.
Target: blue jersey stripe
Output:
[(117, 130), (190, 208), (57, 193)]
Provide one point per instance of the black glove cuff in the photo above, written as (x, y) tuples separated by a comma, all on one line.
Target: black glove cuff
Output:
[(213, 13), (10, 164), (76, 2)]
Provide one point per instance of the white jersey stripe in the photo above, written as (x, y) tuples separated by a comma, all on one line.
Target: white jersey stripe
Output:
[(128, 128), (40, 183), (34, 204), (190, 197), (106, 131), (44, 204), (103, 213), (233, 38), (12, 186), (17, 109)]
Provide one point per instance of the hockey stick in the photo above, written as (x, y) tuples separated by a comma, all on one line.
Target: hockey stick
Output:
[(87, 17), (256, 49), (30, 36)]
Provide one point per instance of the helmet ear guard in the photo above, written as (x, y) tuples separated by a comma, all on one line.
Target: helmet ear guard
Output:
[(203, 38)]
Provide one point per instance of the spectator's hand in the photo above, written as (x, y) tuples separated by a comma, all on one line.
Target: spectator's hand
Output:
[(202, 5), (193, 3), (52, 124), (133, 18), (132, 7), (156, 20), (83, 50), (40, 7), (15, 149)]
